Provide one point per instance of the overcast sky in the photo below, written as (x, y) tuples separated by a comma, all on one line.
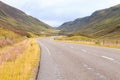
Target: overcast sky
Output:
[(56, 12)]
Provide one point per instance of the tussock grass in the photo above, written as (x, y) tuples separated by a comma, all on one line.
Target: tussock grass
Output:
[(75, 38), (8, 37), (90, 41), (4, 34), (24, 65)]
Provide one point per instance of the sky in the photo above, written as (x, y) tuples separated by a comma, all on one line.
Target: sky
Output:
[(56, 12)]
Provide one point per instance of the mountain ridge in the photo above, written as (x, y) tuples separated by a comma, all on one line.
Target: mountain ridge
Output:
[(16, 20), (99, 25)]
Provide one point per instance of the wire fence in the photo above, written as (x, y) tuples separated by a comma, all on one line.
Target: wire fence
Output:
[(109, 43)]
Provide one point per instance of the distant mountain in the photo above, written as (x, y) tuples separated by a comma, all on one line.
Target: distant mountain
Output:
[(101, 24), (17, 21)]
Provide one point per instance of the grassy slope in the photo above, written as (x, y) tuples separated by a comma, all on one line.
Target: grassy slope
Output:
[(16, 20), (20, 65), (101, 24)]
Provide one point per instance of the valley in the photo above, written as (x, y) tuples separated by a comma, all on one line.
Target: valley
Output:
[(86, 48)]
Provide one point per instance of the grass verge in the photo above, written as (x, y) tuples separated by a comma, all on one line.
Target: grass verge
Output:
[(20, 64), (90, 41)]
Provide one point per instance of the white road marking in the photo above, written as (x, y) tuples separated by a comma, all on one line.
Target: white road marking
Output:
[(108, 58), (83, 50), (89, 68), (46, 48)]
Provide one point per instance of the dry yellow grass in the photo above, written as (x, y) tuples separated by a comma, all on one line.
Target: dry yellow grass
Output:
[(8, 37), (89, 41), (23, 67)]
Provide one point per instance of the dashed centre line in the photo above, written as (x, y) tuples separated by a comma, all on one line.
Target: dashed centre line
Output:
[(83, 50), (109, 58), (46, 48)]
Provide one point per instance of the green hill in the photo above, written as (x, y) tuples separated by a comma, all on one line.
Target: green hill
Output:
[(101, 24), (17, 21)]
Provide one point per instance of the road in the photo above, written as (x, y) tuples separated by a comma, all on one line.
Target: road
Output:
[(64, 61)]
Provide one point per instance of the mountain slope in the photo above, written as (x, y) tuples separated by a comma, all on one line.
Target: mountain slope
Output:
[(17, 21), (101, 24)]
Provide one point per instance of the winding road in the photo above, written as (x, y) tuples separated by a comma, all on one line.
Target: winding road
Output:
[(64, 61)]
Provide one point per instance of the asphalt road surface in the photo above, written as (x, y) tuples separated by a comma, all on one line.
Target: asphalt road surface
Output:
[(64, 61)]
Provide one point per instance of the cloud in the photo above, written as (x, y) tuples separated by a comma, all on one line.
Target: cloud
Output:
[(55, 12)]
